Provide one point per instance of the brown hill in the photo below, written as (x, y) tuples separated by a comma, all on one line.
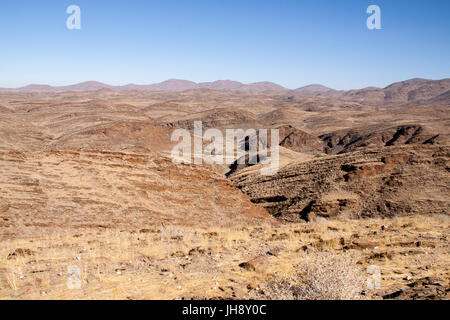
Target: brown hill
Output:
[(113, 190), (222, 85), (442, 100), (260, 87), (84, 86), (415, 89), (221, 118), (298, 140), (400, 92), (281, 116), (379, 136), (314, 88), (370, 96), (385, 182), (17, 135), (173, 85), (117, 136)]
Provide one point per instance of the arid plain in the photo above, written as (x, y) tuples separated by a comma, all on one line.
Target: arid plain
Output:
[(87, 181)]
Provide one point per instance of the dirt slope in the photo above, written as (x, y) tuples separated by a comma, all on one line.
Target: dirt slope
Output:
[(44, 192)]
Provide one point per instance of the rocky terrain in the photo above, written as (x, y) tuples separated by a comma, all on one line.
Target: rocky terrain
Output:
[(384, 182), (245, 262), (87, 180), (112, 190)]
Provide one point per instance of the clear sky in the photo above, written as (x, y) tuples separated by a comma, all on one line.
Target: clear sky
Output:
[(292, 43)]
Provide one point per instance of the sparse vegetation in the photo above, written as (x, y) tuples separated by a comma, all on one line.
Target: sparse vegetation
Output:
[(330, 277), (312, 262)]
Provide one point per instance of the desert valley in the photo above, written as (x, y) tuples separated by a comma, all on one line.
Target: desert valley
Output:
[(87, 183)]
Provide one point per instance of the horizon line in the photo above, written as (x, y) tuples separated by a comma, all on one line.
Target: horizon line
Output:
[(202, 83)]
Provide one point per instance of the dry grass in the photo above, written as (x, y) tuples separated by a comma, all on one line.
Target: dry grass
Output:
[(330, 277), (324, 276), (313, 261)]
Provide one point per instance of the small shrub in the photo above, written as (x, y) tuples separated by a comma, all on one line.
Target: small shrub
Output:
[(329, 277), (323, 277)]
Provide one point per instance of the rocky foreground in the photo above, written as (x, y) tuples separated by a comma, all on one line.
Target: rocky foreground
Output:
[(323, 259)]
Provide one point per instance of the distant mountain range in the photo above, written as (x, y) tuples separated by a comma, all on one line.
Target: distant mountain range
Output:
[(409, 91), (171, 85)]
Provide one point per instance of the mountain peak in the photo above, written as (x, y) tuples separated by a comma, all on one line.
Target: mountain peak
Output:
[(409, 82), (314, 88)]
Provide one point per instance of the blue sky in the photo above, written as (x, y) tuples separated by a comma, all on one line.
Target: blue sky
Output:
[(292, 43)]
